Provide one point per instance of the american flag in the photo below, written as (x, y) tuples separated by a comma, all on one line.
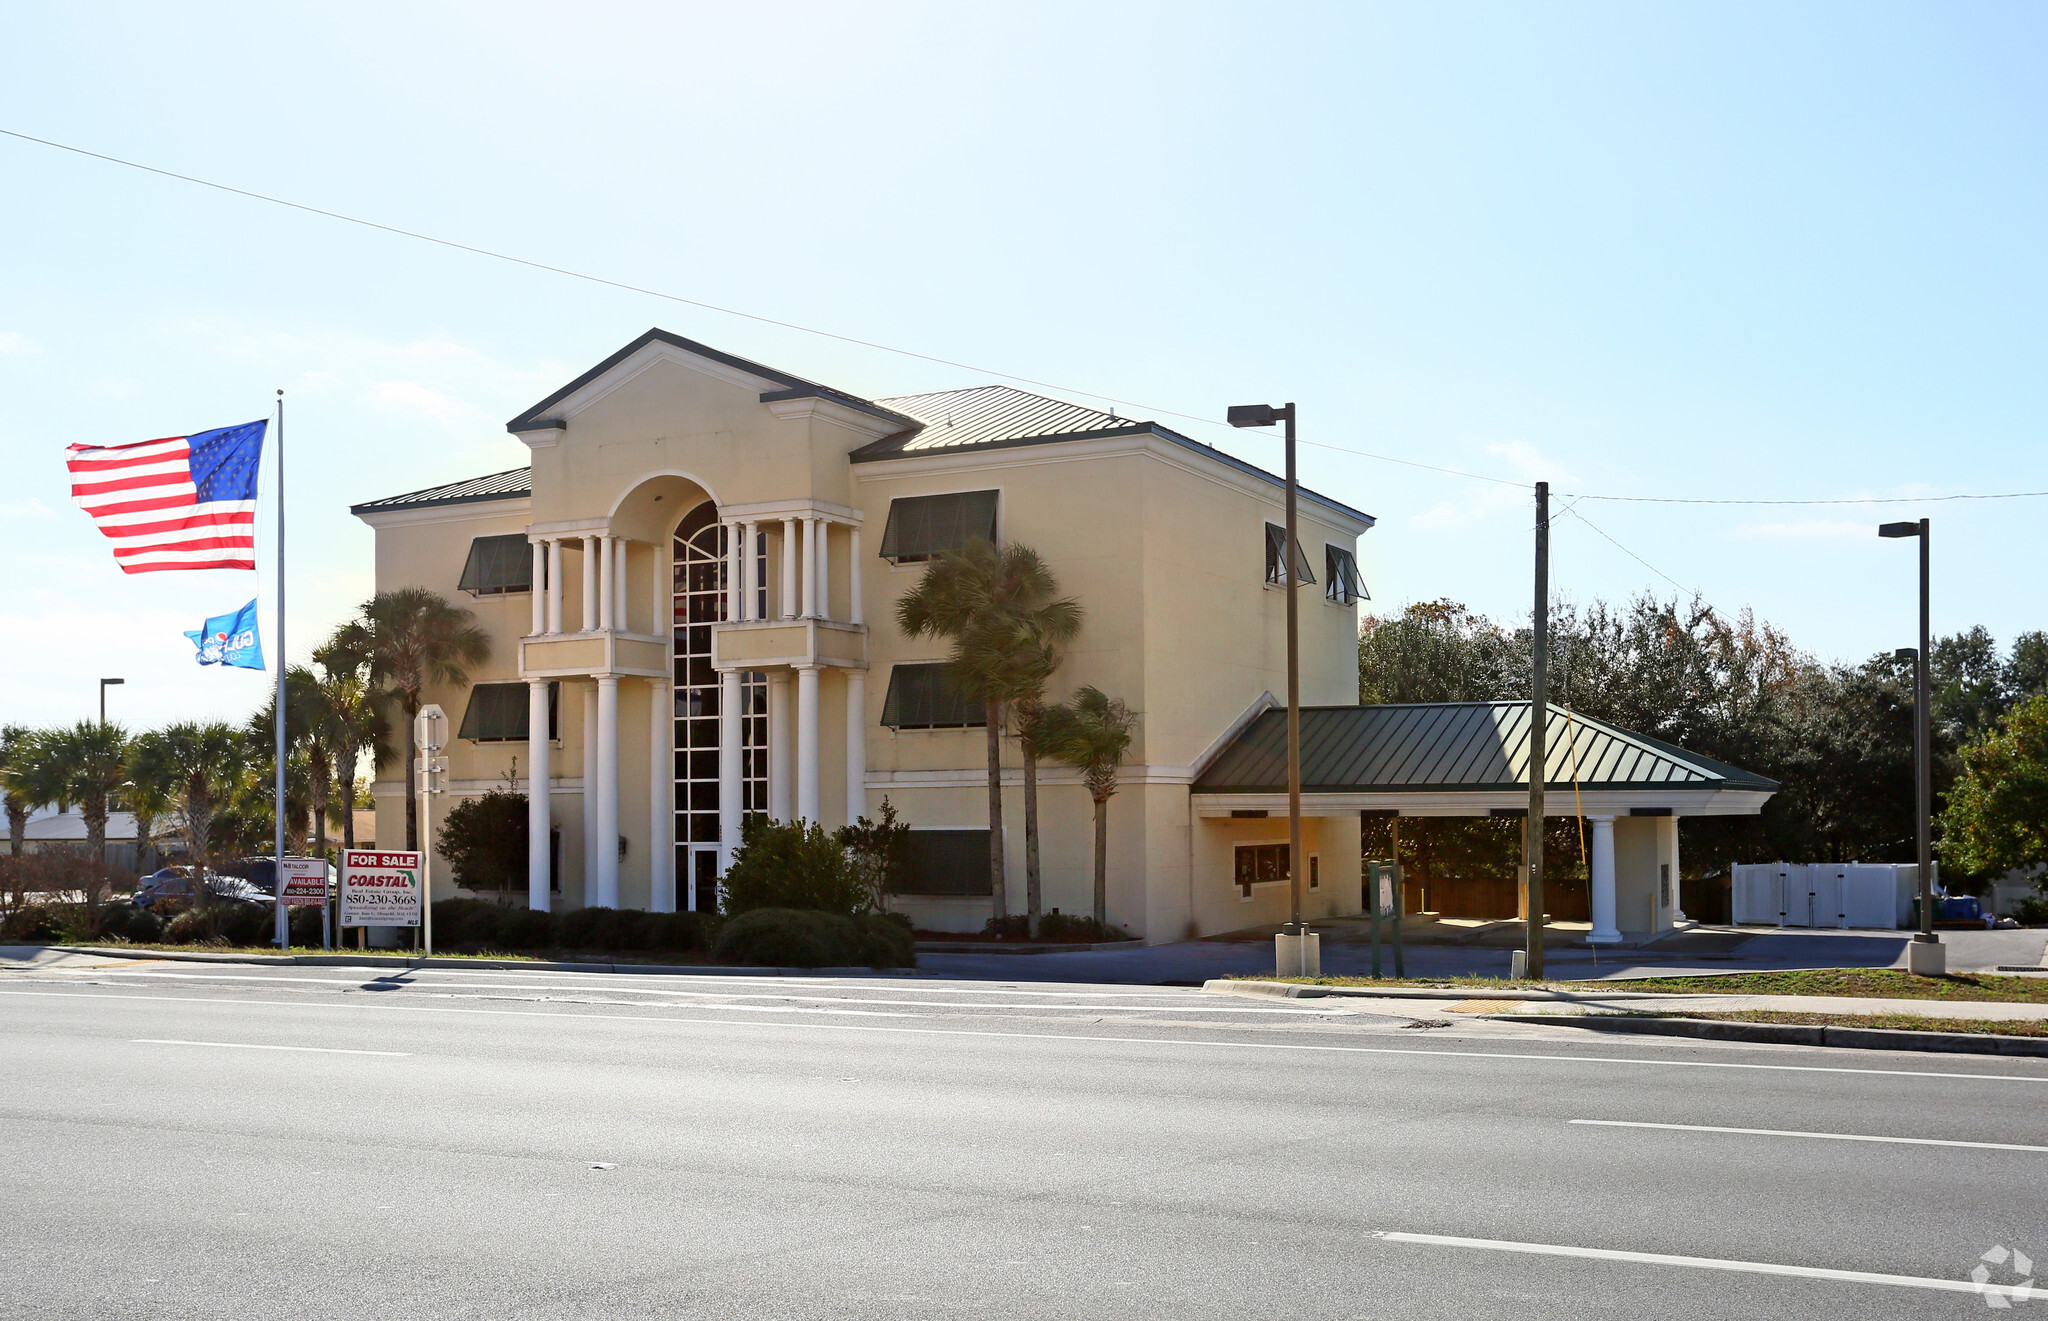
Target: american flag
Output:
[(183, 502)]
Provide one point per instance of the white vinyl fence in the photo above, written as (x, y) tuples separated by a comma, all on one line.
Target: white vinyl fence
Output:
[(1827, 894)]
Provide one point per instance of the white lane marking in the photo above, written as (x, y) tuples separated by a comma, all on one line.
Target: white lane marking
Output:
[(1204, 1007), (1796, 1133), (1045, 1036), (250, 1045), (895, 984), (1713, 1264)]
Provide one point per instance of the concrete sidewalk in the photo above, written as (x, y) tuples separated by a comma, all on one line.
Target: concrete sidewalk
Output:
[(1422, 1002)]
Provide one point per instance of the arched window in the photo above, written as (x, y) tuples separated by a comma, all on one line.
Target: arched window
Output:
[(700, 601)]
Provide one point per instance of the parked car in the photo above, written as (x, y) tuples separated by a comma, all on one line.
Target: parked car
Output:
[(175, 884)]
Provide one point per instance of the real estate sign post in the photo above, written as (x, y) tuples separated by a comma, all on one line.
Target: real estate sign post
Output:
[(380, 888)]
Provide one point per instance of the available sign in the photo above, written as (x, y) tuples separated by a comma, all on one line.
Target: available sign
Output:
[(305, 882), (380, 888)]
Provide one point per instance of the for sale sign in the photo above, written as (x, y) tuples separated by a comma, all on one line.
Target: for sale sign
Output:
[(380, 888), (305, 882)]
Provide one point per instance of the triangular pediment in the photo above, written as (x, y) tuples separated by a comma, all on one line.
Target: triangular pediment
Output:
[(658, 347)]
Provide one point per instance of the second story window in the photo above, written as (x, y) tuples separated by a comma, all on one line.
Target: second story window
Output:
[(1342, 584), (922, 696), (921, 526), (497, 713), (1276, 537), (498, 565)]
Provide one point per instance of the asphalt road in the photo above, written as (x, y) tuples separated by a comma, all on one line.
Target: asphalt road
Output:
[(186, 1140)]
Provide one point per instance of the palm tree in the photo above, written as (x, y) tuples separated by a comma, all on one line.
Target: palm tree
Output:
[(349, 724), (996, 604), (86, 764), (150, 796), (1012, 658), (410, 637), (308, 763), (1092, 734), (14, 742), (206, 765)]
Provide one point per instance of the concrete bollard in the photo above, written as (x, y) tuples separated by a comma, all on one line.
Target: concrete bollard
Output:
[(1292, 959)]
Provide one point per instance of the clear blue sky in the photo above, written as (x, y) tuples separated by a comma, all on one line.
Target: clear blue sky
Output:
[(1737, 250)]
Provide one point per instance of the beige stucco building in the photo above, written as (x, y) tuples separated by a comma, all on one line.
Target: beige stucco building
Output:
[(691, 594)]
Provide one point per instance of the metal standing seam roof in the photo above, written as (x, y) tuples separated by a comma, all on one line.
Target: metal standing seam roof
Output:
[(512, 484), (1000, 416), (988, 415), (1469, 746)]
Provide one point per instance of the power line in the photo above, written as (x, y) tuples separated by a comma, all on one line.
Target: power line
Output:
[(1637, 558), (929, 357), (1848, 500)]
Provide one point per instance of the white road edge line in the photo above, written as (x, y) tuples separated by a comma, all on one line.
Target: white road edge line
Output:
[(251, 1045), (1796, 1133), (1047, 1036), (2012, 1291)]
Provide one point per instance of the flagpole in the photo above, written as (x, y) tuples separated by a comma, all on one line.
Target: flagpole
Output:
[(283, 923)]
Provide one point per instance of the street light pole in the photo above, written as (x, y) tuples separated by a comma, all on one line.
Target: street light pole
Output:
[(103, 697), (1265, 415), (1926, 954)]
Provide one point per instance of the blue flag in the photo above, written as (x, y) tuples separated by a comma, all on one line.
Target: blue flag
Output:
[(230, 640)]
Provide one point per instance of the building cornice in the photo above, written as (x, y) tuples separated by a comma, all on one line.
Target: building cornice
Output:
[(468, 511)]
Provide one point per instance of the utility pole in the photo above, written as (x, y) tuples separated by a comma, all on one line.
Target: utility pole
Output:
[(1532, 831)]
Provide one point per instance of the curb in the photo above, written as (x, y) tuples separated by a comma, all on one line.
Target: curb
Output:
[(481, 965), (1296, 991), (1795, 1034)]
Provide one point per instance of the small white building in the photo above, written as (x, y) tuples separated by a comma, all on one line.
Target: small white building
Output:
[(50, 829)]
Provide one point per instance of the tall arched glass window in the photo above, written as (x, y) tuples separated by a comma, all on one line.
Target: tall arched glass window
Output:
[(700, 601)]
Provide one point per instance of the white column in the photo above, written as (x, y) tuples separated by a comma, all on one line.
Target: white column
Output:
[(733, 595), (554, 584), (663, 619), (539, 813), (589, 583), (589, 792), (1601, 866), (608, 792), (856, 745), (661, 783), (607, 594), (787, 606), (750, 572), (538, 592), (854, 613), (807, 742), (810, 609), (621, 617), (781, 788), (824, 569), (730, 753)]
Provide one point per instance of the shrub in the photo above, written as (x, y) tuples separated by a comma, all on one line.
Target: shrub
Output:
[(1077, 926), (524, 929), (1053, 926), (807, 938), (880, 853), (484, 840), (885, 941), (793, 865), (127, 922), (302, 924), (36, 924), (579, 928), (221, 924), (679, 932), (2031, 912), (469, 923)]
